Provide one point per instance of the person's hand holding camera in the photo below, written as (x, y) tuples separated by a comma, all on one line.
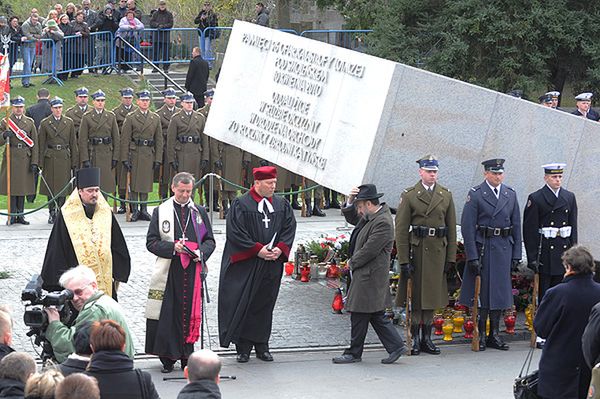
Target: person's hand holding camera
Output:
[(53, 314)]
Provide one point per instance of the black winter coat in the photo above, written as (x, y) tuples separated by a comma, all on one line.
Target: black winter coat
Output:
[(197, 78), (117, 378), (5, 350), (561, 320), (73, 365), (590, 342), (39, 111), (12, 389), (201, 389)]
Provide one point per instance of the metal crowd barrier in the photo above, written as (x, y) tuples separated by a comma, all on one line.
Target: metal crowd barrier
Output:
[(101, 52)]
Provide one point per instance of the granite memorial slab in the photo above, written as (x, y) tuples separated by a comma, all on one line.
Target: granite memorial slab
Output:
[(342, 118)]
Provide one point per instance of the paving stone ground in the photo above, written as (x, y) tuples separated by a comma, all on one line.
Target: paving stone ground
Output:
[(302, 318)]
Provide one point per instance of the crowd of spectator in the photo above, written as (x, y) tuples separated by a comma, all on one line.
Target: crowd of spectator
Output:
[(70, 38)]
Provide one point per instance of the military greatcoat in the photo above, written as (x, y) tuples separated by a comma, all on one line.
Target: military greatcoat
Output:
[(58, 153), (165, 118), (120, 113), (21, 159), (141, 144), (99, 144), (75, 113), (483, 209), (419, 207), (544, 209), (186, 143), (232, 158)]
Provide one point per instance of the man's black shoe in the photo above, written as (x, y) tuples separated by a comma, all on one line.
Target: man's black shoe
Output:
[(145, 216), (135, 216), (166, 369), (242, 358), (496, 343), (265, 356), (121, 210), (346, 358), (316, 211), (395, 355), (21, 220), (540, 345)]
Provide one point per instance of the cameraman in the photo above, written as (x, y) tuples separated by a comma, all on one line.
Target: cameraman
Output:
[(91, 304)]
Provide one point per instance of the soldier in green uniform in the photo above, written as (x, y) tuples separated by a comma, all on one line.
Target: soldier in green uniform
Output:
[(187, 145), (23, 160), (426, 244), (99, 141), (58, 154), (121, 112), (164, 175), (317, 194), (81, 107), (227, 160), (141, 152)]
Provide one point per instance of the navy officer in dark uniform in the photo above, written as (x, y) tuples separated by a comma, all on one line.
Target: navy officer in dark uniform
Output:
[(491, 229), (550, 218), (584, 107)]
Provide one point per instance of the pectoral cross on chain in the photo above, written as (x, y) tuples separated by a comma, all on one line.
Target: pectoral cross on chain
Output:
[(183, 238), (266, 221)]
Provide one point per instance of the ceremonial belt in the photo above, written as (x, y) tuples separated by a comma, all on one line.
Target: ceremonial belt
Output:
[(425, 231), (100, 140), (143, 142), (20, 133), (489, 232), (19, 145), (58, 147), (555, 232), (188, 139)]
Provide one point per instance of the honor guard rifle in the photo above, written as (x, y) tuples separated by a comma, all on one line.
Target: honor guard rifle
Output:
[(536, 287), (409, 299), (476, 332)]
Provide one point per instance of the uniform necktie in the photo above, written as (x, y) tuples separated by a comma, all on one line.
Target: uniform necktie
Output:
[(496, 191)]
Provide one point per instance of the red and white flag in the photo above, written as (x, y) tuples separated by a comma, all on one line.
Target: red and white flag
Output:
[(4, 81)]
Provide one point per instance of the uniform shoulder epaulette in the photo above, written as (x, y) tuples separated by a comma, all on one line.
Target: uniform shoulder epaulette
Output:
[(509, 187), (475, 188), (406, 190), (444, 188)]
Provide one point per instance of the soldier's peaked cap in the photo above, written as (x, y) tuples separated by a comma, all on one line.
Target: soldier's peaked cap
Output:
[(428, 162), (554, 168), (494, 165), (81, 92)]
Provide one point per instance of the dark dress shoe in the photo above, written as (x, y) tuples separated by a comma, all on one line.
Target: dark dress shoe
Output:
[(296, 206), (496, 343), (183, 363), (242, 358), (145, 216), (428, 347), (265, 356), (21, 219), (540, 345), (121, 210), (317, 211), (481, 345), (395, 355), (51, 219), (166, 369), (335, 204), (346, 358), (135, 216)]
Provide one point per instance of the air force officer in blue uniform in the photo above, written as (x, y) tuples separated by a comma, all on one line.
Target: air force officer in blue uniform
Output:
[(491, 220)]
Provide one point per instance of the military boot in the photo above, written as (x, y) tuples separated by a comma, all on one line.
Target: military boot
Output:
[(135, 214), (122, 208), (316, 210), (415, 332), (144, 215), (427, 345), (225, 207), (326, 202), (494, 340), (294, 202), (482, 338), (334, 200)]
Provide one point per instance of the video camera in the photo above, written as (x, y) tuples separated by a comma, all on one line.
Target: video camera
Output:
[(36, 318)]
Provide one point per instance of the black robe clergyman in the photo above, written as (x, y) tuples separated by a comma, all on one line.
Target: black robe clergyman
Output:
[(60, 255), (249, 285), (166, 337)]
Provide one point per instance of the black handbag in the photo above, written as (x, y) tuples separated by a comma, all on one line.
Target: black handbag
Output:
[(525, 386)]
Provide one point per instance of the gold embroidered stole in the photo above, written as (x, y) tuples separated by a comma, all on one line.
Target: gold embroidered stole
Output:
[(91, 238), (158, 281)]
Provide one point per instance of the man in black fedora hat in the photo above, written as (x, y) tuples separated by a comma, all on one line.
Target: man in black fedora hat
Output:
[(86, 233), (369, 259)]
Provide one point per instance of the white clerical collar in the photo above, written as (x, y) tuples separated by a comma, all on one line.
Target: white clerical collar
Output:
[(180, 204), (494, 189), (553, 191)]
